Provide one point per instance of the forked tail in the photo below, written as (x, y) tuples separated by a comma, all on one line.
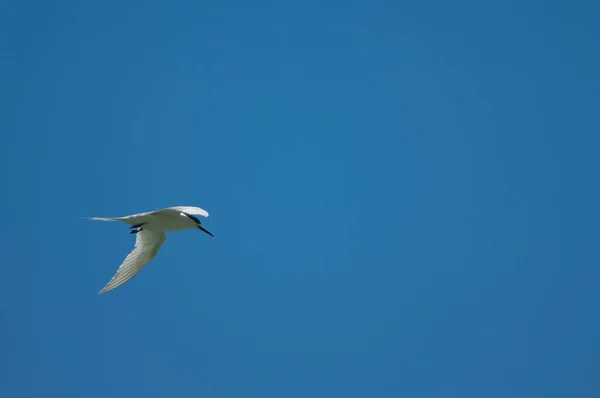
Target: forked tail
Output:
[(102, 219)]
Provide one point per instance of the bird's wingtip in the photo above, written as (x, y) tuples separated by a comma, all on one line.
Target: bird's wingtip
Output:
[(104, 290)]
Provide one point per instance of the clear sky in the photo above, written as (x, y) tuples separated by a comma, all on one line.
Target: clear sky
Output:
[(404, 197)]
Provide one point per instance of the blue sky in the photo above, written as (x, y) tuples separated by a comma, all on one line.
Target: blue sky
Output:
[(404, 198)]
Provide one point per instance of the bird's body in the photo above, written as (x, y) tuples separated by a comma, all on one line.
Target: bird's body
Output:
[(151, 228)]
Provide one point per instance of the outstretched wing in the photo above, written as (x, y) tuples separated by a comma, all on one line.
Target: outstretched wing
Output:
[(147, 245), (196, 211)]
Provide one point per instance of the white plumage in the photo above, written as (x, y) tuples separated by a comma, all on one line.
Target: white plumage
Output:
[(150, 228)]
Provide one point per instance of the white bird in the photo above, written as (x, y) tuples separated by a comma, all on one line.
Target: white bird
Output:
[(150, 229)]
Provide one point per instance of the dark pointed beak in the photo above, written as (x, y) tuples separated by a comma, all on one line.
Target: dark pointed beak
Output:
[(205, 230)]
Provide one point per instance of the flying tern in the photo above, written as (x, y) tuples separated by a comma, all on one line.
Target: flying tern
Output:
[(150, 229)]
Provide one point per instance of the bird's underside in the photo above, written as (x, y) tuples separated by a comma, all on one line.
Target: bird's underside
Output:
[(150, 233), (178, 218)]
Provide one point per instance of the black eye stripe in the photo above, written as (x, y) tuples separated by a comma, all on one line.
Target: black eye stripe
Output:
[(193, 218)]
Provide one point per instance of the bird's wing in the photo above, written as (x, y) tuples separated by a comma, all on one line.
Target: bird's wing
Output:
[(147, 245), (196, 211)]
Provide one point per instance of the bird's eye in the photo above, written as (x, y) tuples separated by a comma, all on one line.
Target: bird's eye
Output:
[(192, 217)]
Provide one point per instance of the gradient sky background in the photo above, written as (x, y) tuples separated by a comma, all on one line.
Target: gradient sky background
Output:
[(404, 198)]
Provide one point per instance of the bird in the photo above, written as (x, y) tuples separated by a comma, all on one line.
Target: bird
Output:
[(150, 229)]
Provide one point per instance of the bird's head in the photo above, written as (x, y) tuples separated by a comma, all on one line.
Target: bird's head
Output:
[(198, 223)]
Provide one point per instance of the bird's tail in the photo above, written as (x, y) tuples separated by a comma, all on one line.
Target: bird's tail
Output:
[(102, 219)]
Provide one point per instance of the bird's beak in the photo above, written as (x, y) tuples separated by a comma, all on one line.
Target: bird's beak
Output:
[(205, 230)]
